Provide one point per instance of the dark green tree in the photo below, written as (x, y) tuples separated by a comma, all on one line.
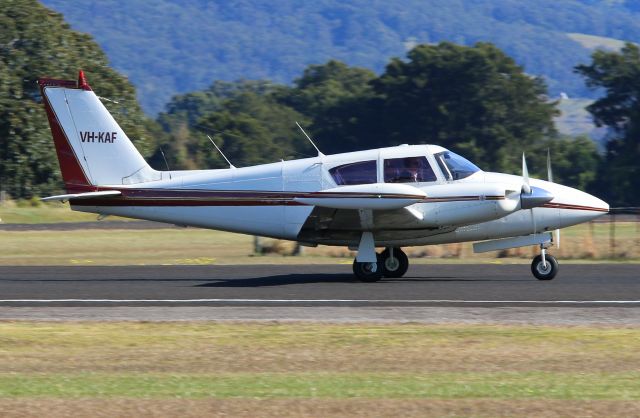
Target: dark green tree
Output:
[(35, 42), (190, 107), (183, 142), (574, 160), (334, 97), (251, 129), (475, 100), (324, 86), (618, 73)]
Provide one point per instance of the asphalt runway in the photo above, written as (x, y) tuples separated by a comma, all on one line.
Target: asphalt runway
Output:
[(595, 293), (324, 284)]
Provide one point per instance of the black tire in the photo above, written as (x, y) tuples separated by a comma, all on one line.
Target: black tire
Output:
[(363, 271), (538, 270), (397, 269)]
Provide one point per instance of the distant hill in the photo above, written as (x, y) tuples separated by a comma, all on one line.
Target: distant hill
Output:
[(575, 120), (175, 46)]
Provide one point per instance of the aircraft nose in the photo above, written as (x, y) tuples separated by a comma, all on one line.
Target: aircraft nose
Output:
[(590, 202), (577, 207), (600, 204)]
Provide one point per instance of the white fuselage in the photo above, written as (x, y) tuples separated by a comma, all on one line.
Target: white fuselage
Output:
[(278, 200)]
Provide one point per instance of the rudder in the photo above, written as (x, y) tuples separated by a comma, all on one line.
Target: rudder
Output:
[(92, 148)]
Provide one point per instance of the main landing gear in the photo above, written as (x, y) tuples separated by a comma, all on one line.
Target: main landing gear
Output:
[(544, 266), (391, 263)]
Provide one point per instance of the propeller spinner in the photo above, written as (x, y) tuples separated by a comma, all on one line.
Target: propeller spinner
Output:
[(532, 197)]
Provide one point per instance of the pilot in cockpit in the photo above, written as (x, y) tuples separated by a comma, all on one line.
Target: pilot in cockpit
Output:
[(407, 170), (409, 173)]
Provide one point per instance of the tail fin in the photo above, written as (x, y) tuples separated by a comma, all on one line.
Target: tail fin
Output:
[(92, 148)]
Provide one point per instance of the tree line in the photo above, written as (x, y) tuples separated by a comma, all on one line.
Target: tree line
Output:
[(474, 100)]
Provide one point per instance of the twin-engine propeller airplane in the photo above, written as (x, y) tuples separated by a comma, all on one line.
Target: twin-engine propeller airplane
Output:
[(382, 198)]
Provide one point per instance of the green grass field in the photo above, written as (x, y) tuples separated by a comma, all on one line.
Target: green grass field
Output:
[(35, 212), (192, 369), (462, 370)]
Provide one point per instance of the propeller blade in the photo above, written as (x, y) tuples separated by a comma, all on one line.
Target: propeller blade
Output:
[(526, 188), (550, 178), (533, 221), (549, 172)]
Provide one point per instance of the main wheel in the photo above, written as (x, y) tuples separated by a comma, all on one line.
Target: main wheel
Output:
[(543, 272), (367, 272), (394, 267)]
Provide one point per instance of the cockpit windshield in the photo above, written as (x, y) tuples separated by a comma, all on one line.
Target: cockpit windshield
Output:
[(455, 167)]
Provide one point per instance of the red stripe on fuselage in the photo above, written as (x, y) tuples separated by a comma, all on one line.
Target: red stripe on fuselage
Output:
[(574, 207), (181, 197)]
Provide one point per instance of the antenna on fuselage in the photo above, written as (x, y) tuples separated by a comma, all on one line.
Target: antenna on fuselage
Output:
[(221, 153), (165, 162), (310, 140)]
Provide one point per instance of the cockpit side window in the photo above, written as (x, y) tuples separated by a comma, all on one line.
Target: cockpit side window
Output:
[(455, 167), (362, 172), (408, 170)]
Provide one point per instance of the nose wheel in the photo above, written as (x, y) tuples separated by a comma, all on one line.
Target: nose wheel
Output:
[(544, 266)]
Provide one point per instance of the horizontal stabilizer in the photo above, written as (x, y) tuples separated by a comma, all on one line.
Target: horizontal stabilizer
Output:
[(377, 196), (88, 195)]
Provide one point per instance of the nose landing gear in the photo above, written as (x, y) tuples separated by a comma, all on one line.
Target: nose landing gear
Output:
[(544, 266)]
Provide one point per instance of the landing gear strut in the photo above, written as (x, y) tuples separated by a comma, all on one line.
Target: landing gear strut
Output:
[(366, 266), (544, 266)]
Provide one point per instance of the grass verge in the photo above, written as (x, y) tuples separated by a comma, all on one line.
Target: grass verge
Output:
[(592, 242), (439, 385), (195, 246), (306, 369)]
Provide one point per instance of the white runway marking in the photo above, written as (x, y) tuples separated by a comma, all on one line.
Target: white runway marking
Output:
[(399, 301)]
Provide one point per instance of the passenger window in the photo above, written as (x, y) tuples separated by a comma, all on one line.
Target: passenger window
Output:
[(408, 170), (362, 172)]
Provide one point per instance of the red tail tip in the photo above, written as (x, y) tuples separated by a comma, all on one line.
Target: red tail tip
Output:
[(82, 81)]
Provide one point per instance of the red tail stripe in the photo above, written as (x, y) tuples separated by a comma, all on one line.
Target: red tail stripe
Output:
[(72, 173)]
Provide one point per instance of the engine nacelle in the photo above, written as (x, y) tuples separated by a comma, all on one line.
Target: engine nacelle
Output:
[(461, 204)]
